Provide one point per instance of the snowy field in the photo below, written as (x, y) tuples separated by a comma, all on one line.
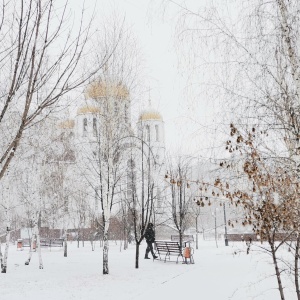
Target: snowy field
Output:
[(218, 274)]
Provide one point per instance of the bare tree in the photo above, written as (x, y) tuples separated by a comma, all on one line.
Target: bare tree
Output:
[(181, 196), (109, 100), (254, 62), (197, 213), (7, 220), (29, 200), (126, 218), (141, 193), (103, 169), (41, 59), (268, 196)]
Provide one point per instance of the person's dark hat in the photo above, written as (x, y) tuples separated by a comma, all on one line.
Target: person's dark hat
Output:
[(150, 224)]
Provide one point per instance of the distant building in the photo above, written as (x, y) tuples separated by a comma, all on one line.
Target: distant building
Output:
[(105, 109)]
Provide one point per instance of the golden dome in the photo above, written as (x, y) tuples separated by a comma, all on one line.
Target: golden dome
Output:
[(99, 89), (88, 109), (150, 115), (67, 124)]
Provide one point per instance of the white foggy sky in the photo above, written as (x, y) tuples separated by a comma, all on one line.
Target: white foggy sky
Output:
[(155, 31)]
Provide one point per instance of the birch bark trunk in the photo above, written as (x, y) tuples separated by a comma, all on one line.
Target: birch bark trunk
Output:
[(296, 275), (66, 243), (7, 235), (1, 257), (197, 234), (27, 262), (35, 244), (105, 248), (125, 239), (38, 248), (294, 142), (107, 203), (4, 264)]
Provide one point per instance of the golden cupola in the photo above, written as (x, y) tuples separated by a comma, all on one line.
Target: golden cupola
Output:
[(103, 89), (150, 114)]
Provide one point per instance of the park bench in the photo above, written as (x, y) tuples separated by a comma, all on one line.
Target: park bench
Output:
[(168, 248), (56, 242), (45, 242), (26, 242)]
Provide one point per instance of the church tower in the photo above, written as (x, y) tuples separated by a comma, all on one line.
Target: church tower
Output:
[(151, 130)]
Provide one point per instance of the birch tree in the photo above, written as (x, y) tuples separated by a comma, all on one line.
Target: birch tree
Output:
[(250, 53), (103, 170), (110, 96), (40, 62), (6, 208), (29, 199)]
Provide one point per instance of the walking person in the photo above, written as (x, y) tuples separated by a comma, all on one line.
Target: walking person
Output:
[(150, 239)]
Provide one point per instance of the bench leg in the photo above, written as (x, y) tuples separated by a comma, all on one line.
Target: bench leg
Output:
[(157, 254), (168, 254), (192, 259)]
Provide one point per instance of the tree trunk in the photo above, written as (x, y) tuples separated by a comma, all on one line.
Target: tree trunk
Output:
[(216, 235), (30, 249), (280, 287), (296, 267), (78, 238), (65, 244), (4, 264), (125, 238), (137, 255), (65, 235), (105, 251), (180, 238), (1, 257), (93, 242), (197, 238), (38, 247)]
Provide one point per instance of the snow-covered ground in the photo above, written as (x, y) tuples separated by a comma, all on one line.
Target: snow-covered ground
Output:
[(218, 274)]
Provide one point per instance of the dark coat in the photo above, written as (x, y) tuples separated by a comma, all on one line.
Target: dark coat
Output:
[(150, 234)]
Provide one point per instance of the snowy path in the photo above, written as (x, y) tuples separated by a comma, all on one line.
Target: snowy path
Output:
[(216, 275)]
